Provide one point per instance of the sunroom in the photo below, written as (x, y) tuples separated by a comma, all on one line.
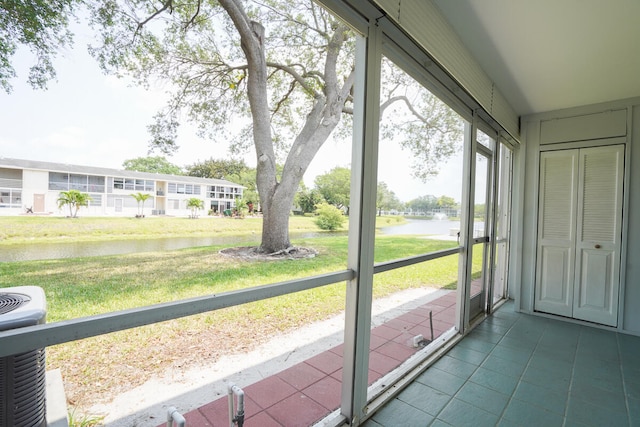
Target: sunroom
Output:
[(545, 96)]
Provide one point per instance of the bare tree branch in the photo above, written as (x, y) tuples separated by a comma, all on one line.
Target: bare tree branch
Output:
[(296, 76), (195, 15), (284, 98), (346, 91), (290, 18), (168, 4), (401, 98)]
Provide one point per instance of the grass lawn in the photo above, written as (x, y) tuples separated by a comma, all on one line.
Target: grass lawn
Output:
[(78, 287), (85, 286)]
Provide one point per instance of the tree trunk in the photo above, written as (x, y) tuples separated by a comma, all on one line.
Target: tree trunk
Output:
[(275, 223), (276, 198)]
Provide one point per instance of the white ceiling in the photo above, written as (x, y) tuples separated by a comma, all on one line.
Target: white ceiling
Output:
[(550, 54)]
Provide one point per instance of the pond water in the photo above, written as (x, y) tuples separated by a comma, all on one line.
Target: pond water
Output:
[(424, 226), (31, 252)]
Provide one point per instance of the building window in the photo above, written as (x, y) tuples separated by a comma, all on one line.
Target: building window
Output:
[(218, 192), (176, 188), (118, 183), (85, 183), (96, 199), (96, 184), (58, 181), (78, 182), (133, 184), (10, 198)]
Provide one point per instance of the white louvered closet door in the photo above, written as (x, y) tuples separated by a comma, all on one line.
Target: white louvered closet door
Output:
[(556, 232), (598, 237), (579, 233)]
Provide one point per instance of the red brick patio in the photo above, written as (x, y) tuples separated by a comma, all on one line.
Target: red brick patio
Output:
[(307, 392)]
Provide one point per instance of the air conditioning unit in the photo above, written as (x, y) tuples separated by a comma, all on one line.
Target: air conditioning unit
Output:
[(22, 376)]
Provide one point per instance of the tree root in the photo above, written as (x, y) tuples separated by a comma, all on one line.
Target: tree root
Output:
[(253, 253)]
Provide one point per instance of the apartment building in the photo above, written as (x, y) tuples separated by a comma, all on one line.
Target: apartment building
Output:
[(33, 187)]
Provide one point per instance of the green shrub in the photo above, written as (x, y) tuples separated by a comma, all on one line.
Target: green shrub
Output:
[(329, 217)]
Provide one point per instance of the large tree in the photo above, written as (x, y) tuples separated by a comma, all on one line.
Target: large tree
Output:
[(282, 67), (307, 199), (218, 169), (235, 171), (386, 199), (447, 202), (153, 164), (273, 63), (424, 204), (335, 186)]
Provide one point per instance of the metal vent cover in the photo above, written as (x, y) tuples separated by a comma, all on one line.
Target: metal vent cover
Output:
[(22, 390), (11, 301), (22, 306)]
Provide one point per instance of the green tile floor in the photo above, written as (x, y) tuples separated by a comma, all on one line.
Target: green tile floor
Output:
[(521, 370)]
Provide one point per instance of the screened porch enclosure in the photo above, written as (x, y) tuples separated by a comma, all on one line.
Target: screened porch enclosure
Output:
[(545, 253)]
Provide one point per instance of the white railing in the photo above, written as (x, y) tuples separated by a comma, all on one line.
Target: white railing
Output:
[(29, 338), (25, 339)]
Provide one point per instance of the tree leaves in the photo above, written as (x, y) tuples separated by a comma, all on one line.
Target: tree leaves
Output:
[(74, 199), (157, 164), (42, 27), (196, 51), (421, 122), (335, 186)]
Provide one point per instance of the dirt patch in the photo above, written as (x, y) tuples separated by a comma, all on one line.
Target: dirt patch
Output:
[(124, 365), (124, 360), (253, 253), (127, 359)]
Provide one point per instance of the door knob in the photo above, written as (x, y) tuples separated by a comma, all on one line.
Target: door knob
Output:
[(598, 246)]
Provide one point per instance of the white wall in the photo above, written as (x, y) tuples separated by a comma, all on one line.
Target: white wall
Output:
[(37, 182), (632, 273), (602, 121)]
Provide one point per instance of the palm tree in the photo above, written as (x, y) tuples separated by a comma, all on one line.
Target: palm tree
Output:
[(140, 198), (74, 199), (195, 205)]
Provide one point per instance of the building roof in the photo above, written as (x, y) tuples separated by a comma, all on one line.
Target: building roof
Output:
[(91, 170)]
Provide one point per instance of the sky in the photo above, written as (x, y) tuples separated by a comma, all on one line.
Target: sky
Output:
[(88, 118)]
